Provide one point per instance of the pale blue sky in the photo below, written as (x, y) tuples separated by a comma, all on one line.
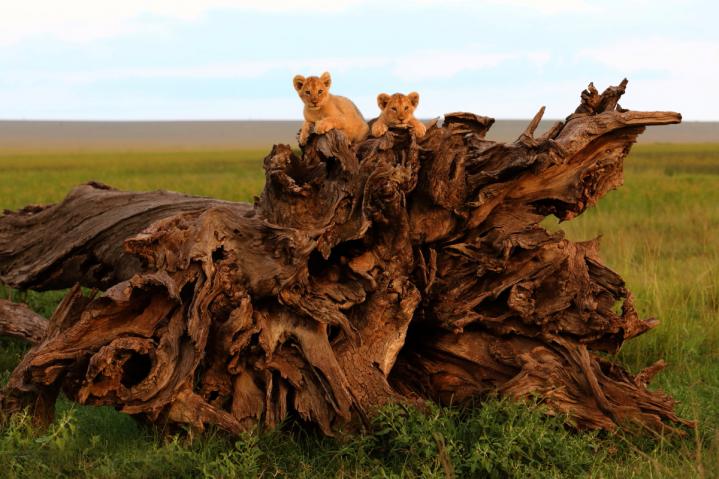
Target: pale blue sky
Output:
[(229, 59)]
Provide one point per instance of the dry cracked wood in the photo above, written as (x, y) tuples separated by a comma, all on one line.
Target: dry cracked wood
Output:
[(20, 321), (55, 246), (394, 270)]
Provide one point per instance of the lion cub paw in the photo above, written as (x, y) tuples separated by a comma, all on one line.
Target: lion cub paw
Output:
[(379, 128), (323, 126), (419, 130), (302, 139)]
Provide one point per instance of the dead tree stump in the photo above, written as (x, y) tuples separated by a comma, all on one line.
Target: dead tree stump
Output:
[(394, 270)]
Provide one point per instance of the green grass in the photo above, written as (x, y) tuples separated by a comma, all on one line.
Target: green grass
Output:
[(660, 231), (39, 178)]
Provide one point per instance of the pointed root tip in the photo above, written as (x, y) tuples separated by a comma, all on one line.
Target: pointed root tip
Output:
[(647, 374), (651, 323), (534, 123)]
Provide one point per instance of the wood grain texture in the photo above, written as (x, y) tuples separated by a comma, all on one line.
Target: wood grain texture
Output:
[(19, 321)]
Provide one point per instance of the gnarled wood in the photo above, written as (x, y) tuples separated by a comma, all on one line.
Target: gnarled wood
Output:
[(20, 321), (56, 246), (392, 270)]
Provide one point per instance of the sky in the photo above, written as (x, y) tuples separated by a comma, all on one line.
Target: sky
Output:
[(235, 59)]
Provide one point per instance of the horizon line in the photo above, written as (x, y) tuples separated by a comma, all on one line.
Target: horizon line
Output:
[(209, 120)]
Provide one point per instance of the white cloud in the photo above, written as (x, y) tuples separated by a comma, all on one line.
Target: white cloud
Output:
[(550, 6), (445, 63), (246, 69), (87, 20), (668, 73), (416, 66), (539, 58), (679, 57)]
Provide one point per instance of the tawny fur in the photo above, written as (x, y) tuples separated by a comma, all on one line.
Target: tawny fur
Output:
[(398, 110), (325, 111)]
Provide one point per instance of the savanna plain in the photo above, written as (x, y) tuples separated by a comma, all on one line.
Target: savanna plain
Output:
[(660, 231)]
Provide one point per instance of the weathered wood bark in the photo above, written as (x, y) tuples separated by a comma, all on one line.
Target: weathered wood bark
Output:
[(19, 321), (56, 246), (395, 270)]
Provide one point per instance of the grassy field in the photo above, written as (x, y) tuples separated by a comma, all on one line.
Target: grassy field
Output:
[(660, 231)]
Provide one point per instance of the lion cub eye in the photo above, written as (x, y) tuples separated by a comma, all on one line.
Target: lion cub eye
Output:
[(394, 109), (320, 91), (307, 92), (406, 108)]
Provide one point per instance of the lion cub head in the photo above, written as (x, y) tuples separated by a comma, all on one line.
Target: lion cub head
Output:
[(397, 110), (314, 91)]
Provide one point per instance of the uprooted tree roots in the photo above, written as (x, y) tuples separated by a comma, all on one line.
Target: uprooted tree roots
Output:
[(395, 270)]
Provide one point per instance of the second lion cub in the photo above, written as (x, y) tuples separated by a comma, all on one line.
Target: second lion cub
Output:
[(325, 111), (397, 110)]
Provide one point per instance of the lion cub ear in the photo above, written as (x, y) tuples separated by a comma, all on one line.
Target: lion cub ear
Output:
[(382, 100), (414, 98), (298, 82), (326, 79)]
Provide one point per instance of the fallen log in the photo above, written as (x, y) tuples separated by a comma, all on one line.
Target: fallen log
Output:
[(19, 321), (393, 270), (80, 241)]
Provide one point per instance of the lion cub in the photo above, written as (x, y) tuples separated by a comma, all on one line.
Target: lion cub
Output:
[(325, 111), (397, 110)]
